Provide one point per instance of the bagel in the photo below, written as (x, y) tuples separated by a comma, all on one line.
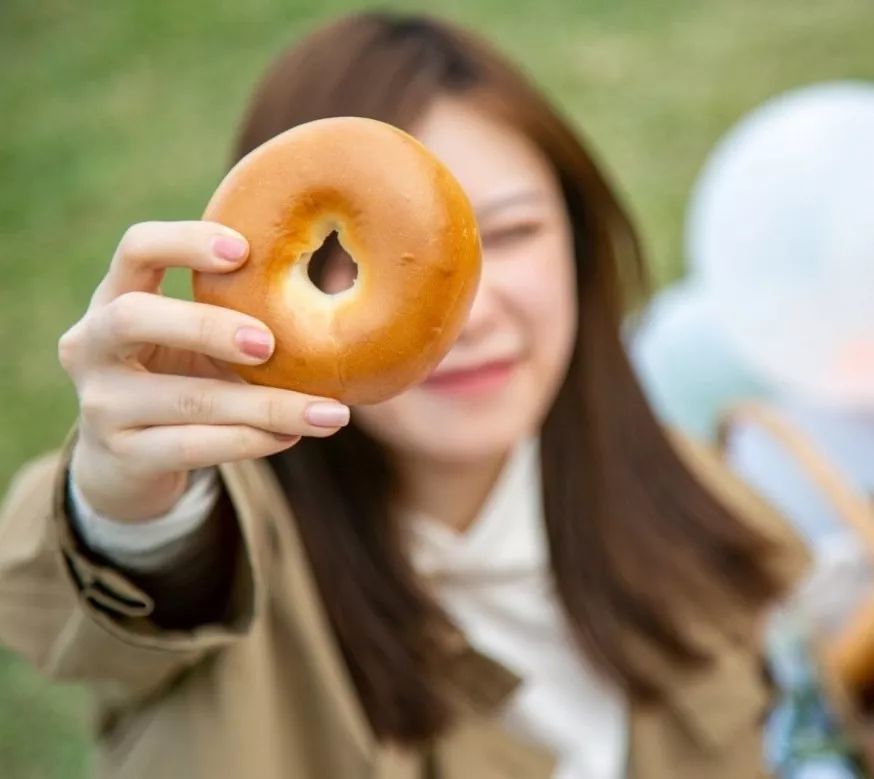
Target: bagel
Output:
[(401, 216)]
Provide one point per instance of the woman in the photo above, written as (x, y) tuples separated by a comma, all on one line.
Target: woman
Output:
[(508, 571)]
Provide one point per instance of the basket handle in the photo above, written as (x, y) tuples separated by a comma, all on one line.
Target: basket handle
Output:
[(854, 509), (847, 660)]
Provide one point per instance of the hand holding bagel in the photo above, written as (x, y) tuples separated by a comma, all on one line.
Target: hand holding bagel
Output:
[(155, 398), (158, 379)]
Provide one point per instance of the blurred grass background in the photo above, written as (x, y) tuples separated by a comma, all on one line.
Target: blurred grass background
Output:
[(115, 112)]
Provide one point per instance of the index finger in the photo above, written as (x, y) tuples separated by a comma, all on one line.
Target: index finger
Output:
[(147, 249)]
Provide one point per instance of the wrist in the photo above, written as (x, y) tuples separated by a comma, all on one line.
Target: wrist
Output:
[(130, 499)]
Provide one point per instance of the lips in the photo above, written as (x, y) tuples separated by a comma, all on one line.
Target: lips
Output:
[(482, 378)]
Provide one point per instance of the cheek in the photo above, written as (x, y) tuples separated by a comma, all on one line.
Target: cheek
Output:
[(388, 420), (544, 294), (537, 312)]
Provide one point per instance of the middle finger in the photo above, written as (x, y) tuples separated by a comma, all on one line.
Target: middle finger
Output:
[(138, 318)]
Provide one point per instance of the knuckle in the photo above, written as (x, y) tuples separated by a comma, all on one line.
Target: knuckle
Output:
[(119, 446), (272, 413), (134, 243), (69, 347), (92, 406), (195, 406), (122, 314), (207, 327)]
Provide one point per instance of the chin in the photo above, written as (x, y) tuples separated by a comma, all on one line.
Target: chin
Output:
[(453, 430), (473, 444)]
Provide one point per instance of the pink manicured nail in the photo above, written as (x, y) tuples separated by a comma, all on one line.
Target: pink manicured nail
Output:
[(226, 247), (327, 414), (254, 342)]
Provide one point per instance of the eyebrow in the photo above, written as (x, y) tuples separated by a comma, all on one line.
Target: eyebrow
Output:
[(510, 199)]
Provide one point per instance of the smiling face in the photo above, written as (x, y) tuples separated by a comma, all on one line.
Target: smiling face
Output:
[(500, 377)]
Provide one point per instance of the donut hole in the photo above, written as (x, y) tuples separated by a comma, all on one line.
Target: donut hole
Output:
[(331, 268)]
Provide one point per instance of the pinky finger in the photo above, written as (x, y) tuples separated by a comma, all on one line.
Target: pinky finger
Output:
[(188, 447)]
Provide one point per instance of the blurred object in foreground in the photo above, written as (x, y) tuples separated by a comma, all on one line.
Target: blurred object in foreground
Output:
[(779, 306), (779, 300), (781, 241), (689, 368)]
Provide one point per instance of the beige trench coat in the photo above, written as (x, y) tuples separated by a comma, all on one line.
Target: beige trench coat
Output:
[(264, 693)]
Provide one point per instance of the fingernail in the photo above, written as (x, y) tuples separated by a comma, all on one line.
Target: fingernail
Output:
[(254, 342), (327, 414), (286, 439), (227, 247)]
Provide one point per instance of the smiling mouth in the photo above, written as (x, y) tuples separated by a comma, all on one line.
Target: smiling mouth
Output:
[(483, 378)]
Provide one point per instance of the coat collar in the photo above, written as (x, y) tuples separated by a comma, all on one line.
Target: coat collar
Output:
[(710, 705)]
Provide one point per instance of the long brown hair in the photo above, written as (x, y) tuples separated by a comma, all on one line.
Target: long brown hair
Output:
[(638, 548)]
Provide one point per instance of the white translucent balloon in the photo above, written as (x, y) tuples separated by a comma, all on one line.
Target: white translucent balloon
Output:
[(689, 371), (780, 237)]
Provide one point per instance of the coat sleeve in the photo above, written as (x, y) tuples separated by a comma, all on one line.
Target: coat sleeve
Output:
[(77, 618)]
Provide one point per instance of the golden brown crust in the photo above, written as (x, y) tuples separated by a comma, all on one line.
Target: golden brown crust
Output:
[(398, 212)]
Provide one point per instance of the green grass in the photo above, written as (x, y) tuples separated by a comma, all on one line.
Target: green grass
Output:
[(114, 112)]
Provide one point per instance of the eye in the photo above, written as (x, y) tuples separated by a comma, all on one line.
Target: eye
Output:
[(506, 235)]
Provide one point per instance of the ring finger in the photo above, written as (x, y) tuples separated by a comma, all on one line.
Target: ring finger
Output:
[(156, 399)]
